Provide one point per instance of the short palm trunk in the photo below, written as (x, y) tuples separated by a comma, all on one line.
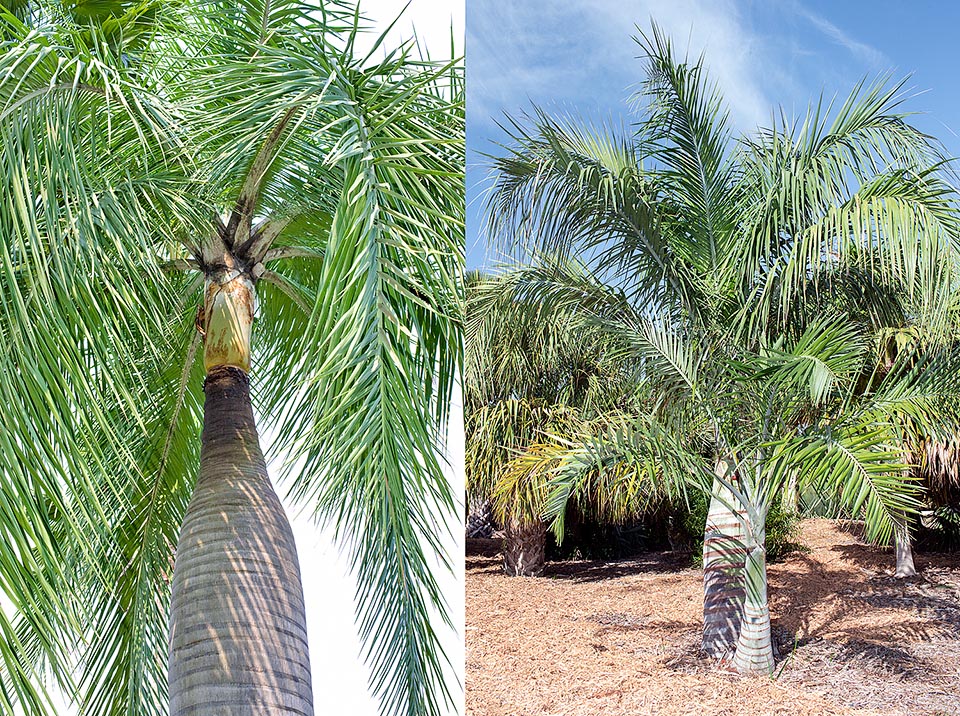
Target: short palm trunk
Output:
[(903, 549), (724, 560), (524, 549), (480, 520), (754, 652)]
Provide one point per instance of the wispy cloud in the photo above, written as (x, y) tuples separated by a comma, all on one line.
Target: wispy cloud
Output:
[(860, 50), (582, 51), (735, 55)]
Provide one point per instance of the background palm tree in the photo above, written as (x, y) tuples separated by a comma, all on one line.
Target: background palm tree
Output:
[(528, 373), (723, 242), (233, 181)]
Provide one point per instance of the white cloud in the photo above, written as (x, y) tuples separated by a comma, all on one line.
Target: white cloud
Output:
[(565, 50), (860, 50), (733, 54)]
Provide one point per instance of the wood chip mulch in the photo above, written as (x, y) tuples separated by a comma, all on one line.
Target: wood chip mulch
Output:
[(622, 638)]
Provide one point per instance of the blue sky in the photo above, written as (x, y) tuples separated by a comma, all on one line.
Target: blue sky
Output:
[(577, 58)]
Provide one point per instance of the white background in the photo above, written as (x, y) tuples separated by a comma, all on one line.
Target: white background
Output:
[(339, 675)]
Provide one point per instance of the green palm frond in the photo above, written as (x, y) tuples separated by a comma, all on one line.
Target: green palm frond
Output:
[(861, 466), (867, 191), (829, 354), (615, 469), (689, 132), (573, 189), (377, 364), (123, 160), (81, 257)]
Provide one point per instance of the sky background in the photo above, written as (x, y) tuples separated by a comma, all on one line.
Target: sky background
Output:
[(577, 58)]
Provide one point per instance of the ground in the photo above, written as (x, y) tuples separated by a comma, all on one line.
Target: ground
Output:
[(621, 638)]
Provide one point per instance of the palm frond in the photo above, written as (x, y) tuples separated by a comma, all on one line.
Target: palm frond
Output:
[(378, 359)]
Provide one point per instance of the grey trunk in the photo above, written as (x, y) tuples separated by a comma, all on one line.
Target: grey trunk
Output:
[(524, 549), (754, 652), (903, 549), (238, 640), (480, 520), (724, 558)]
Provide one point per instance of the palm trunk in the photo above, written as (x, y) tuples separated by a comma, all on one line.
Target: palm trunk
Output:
[(754, 651), (524, 548), (723, 565), (238, 641), (903, 549), (480, 519)]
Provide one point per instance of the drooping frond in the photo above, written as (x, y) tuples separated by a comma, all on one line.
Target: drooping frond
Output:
[(615, 469), (380, 350), (567, 190)]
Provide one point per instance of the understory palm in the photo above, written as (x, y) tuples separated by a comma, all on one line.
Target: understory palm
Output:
[(229, 195), (725, 250)]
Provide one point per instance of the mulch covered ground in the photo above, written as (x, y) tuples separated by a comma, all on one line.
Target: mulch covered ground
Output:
[(622, 638)]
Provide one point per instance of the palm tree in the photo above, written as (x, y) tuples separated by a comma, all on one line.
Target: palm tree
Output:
[(929, 455), (789, 409), (528, 373), (235, 182), (714, 237)]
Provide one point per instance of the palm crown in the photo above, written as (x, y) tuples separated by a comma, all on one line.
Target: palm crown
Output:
[(152, 153), (685, 219)]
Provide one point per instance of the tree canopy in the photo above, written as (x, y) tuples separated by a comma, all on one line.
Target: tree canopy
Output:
[(133, 135)]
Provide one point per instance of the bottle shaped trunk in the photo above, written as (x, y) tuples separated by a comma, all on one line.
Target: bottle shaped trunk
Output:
[(723, 566), (754, 652), (238, 640), (903, 548), (524, 548)]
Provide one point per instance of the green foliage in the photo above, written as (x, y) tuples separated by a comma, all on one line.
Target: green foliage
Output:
[(746, 281), (783, 532), (531, 371), (132, 134), (693, 523)]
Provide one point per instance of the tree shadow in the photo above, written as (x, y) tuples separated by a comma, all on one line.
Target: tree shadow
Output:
[(484, 546), (839, 599), (882, 658), (484, 555), (624, 622), (581, 571)]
